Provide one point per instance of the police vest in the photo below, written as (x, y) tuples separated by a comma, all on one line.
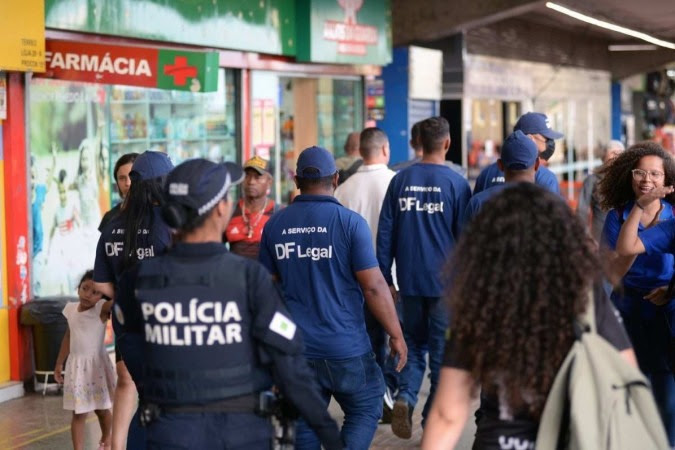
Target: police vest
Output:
[(197, 327)]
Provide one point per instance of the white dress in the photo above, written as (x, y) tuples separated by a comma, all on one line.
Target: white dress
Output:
[(89, 380)]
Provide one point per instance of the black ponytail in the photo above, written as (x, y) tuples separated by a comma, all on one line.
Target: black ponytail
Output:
[(142, 197)]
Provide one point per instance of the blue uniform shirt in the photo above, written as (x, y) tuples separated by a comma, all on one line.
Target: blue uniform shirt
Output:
[(491, 176), (477, 201), (419, 224), (655, 268), (153, 238), (315, 246)]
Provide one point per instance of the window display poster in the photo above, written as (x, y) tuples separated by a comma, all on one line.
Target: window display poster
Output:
[(70, 181)]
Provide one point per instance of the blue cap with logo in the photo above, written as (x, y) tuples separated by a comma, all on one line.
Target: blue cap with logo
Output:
[(536, 123), (150, 165), (317, 158), (519, 152)]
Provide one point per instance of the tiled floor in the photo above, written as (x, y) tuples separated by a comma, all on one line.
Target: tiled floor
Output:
[(36, 422)]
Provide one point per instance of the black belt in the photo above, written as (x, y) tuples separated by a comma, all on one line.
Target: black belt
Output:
[(242, 404)]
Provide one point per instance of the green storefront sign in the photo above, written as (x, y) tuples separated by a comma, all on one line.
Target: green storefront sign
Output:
[(188, 71), (265, 26), (344, 31), (327, 31)]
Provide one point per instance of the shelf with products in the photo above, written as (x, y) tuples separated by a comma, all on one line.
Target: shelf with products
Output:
[(183, 124)]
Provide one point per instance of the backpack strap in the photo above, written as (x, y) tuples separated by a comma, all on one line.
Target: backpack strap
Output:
[(555, 418), (351, 170), (586, 322)]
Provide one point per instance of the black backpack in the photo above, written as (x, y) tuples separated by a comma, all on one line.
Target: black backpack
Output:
[(348, 172)]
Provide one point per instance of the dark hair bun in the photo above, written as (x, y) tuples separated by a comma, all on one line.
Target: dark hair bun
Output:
[(175, 215)]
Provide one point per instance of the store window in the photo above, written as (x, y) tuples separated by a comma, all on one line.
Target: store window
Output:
[(180, 123), (311, 111), (77, 132)]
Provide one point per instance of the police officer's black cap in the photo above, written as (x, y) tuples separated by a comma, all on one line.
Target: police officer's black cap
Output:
[(197, 185)]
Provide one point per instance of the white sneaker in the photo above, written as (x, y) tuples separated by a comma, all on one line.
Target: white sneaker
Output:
[(388, 398)]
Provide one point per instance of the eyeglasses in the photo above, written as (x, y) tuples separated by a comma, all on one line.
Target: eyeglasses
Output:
[(639, 174)]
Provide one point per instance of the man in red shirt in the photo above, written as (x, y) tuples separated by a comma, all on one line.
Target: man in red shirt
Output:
[(253, 209)]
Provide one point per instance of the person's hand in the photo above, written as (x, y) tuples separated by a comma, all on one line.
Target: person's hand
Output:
[(58, 376), (394, 293), (653, 195), (105, 311), (658, 296), (398, 348)]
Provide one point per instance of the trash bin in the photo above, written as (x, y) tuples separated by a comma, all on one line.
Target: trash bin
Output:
[(46, 319)]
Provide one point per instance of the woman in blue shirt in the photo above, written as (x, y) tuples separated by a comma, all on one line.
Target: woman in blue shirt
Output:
[(137, 233), (627, 188)]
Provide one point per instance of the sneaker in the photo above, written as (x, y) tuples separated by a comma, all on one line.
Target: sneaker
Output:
[(386, 414), (388, 398), (401, 420)]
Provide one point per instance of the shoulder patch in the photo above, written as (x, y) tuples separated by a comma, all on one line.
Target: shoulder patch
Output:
[(283, 326)]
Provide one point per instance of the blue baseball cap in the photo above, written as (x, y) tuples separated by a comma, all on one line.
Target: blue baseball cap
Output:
[(519, 152), (536, 123), (150, 165), (199, 184), (316, 158)]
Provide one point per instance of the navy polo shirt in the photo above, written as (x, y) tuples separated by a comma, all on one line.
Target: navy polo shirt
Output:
[(315, 246), (419, 224), (655, 267), (477, 201), (153, 238), (491, 176)]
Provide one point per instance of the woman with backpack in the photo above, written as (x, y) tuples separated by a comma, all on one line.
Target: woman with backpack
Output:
[(519, 280), (641, 280)]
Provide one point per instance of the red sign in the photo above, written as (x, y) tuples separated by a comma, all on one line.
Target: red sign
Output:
[(95, 63)]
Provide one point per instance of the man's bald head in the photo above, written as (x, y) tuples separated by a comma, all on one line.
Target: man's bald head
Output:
[(352, 143)]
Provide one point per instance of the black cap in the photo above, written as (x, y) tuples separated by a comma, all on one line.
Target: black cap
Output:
[(194, 187)]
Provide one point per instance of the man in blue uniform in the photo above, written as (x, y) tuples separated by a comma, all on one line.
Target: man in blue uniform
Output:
[(416, 145), (518, 161), (536, 126), (213, 329), (419, 224), (322, 253)]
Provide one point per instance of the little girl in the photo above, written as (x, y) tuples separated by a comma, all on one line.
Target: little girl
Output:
[(89, 379)]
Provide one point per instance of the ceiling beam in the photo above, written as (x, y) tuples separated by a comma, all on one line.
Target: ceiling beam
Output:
[(626, 64), (415, 21)]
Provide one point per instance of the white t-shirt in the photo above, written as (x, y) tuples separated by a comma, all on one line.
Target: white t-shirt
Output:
[(364, 193)]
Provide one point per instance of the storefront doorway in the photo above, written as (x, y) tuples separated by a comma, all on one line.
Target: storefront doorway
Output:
[(301, 111)]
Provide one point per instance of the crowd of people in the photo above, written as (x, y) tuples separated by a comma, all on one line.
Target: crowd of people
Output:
[(358, 287)]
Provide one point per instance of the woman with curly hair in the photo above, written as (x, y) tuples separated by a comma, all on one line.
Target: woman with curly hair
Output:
[(514, 297), (638, 248)]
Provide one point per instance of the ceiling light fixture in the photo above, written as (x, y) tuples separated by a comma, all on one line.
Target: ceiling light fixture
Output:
[(631, 47), (610, 26)]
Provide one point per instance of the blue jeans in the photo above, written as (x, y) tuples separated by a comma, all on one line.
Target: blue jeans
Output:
[(358, 387), (649, 331), (209, 431), (378, 340), (425, 320)]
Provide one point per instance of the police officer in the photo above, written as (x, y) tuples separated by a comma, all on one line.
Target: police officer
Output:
[(213, 328)]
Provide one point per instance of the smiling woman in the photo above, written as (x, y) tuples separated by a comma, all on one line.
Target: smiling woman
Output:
[(633, 187)]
